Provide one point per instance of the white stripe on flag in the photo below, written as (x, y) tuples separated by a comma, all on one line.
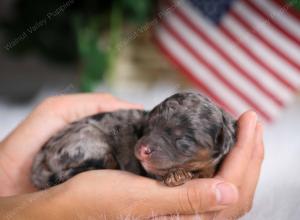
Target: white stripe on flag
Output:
[(200, 71), (245, 86)]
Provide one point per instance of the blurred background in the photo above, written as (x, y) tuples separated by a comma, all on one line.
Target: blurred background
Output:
[(242, 54)]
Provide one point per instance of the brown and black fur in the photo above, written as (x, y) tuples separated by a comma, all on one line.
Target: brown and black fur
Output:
[(188, 136)]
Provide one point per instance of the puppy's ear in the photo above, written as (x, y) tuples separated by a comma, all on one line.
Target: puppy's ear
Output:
[(172, 104), (227, 134), (168, 105)]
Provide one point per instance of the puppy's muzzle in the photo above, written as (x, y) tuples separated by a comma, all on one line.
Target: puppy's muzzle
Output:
[(144, 152)]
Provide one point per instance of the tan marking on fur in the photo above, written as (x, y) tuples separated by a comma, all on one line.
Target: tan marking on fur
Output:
[(202, 167), (203, 164)]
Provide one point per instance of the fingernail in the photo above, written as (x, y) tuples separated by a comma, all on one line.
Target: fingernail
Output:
[(253, 115), (226, 194)]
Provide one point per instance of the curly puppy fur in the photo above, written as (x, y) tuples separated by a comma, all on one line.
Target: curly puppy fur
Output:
[(186, 136)]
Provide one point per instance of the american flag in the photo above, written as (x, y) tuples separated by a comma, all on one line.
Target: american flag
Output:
[(244, 54)]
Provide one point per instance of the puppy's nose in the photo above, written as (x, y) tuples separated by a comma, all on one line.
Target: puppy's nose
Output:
[(145, 151)]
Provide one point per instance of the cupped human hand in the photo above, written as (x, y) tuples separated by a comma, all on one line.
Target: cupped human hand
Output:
[(18, 149), (242, 168), (229, 195), (112, 194)]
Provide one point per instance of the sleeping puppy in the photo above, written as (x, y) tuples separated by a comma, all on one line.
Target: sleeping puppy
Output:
[(184, 137)]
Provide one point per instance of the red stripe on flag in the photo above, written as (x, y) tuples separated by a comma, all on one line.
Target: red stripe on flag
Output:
[(192, 77), (215, 71), (259, 36), (272, 21), (239, 69)]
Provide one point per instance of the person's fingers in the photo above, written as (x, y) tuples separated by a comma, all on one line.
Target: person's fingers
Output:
[(74, 107), (195, 196), (254, 168), (236, 162), (178, 217), (146, 198), (249, 183), (259, 151)]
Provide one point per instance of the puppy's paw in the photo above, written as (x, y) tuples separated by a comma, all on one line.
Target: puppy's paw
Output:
[(177, 177)]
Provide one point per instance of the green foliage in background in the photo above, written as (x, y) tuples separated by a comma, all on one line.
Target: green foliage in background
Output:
[(121, 11), (295, 3), (74, 34), (137, 11), (93, 60)]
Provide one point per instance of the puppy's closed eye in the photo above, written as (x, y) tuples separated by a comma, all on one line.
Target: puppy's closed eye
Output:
[(182, 144), (185, 144)]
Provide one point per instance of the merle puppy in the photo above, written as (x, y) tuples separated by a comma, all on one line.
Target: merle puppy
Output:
[(184, 137)]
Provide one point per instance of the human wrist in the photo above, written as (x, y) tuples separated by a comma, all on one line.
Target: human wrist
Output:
[(55, 203), (47, 204)]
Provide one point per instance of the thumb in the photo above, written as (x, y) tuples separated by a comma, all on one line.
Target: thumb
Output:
[(197, 196)]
